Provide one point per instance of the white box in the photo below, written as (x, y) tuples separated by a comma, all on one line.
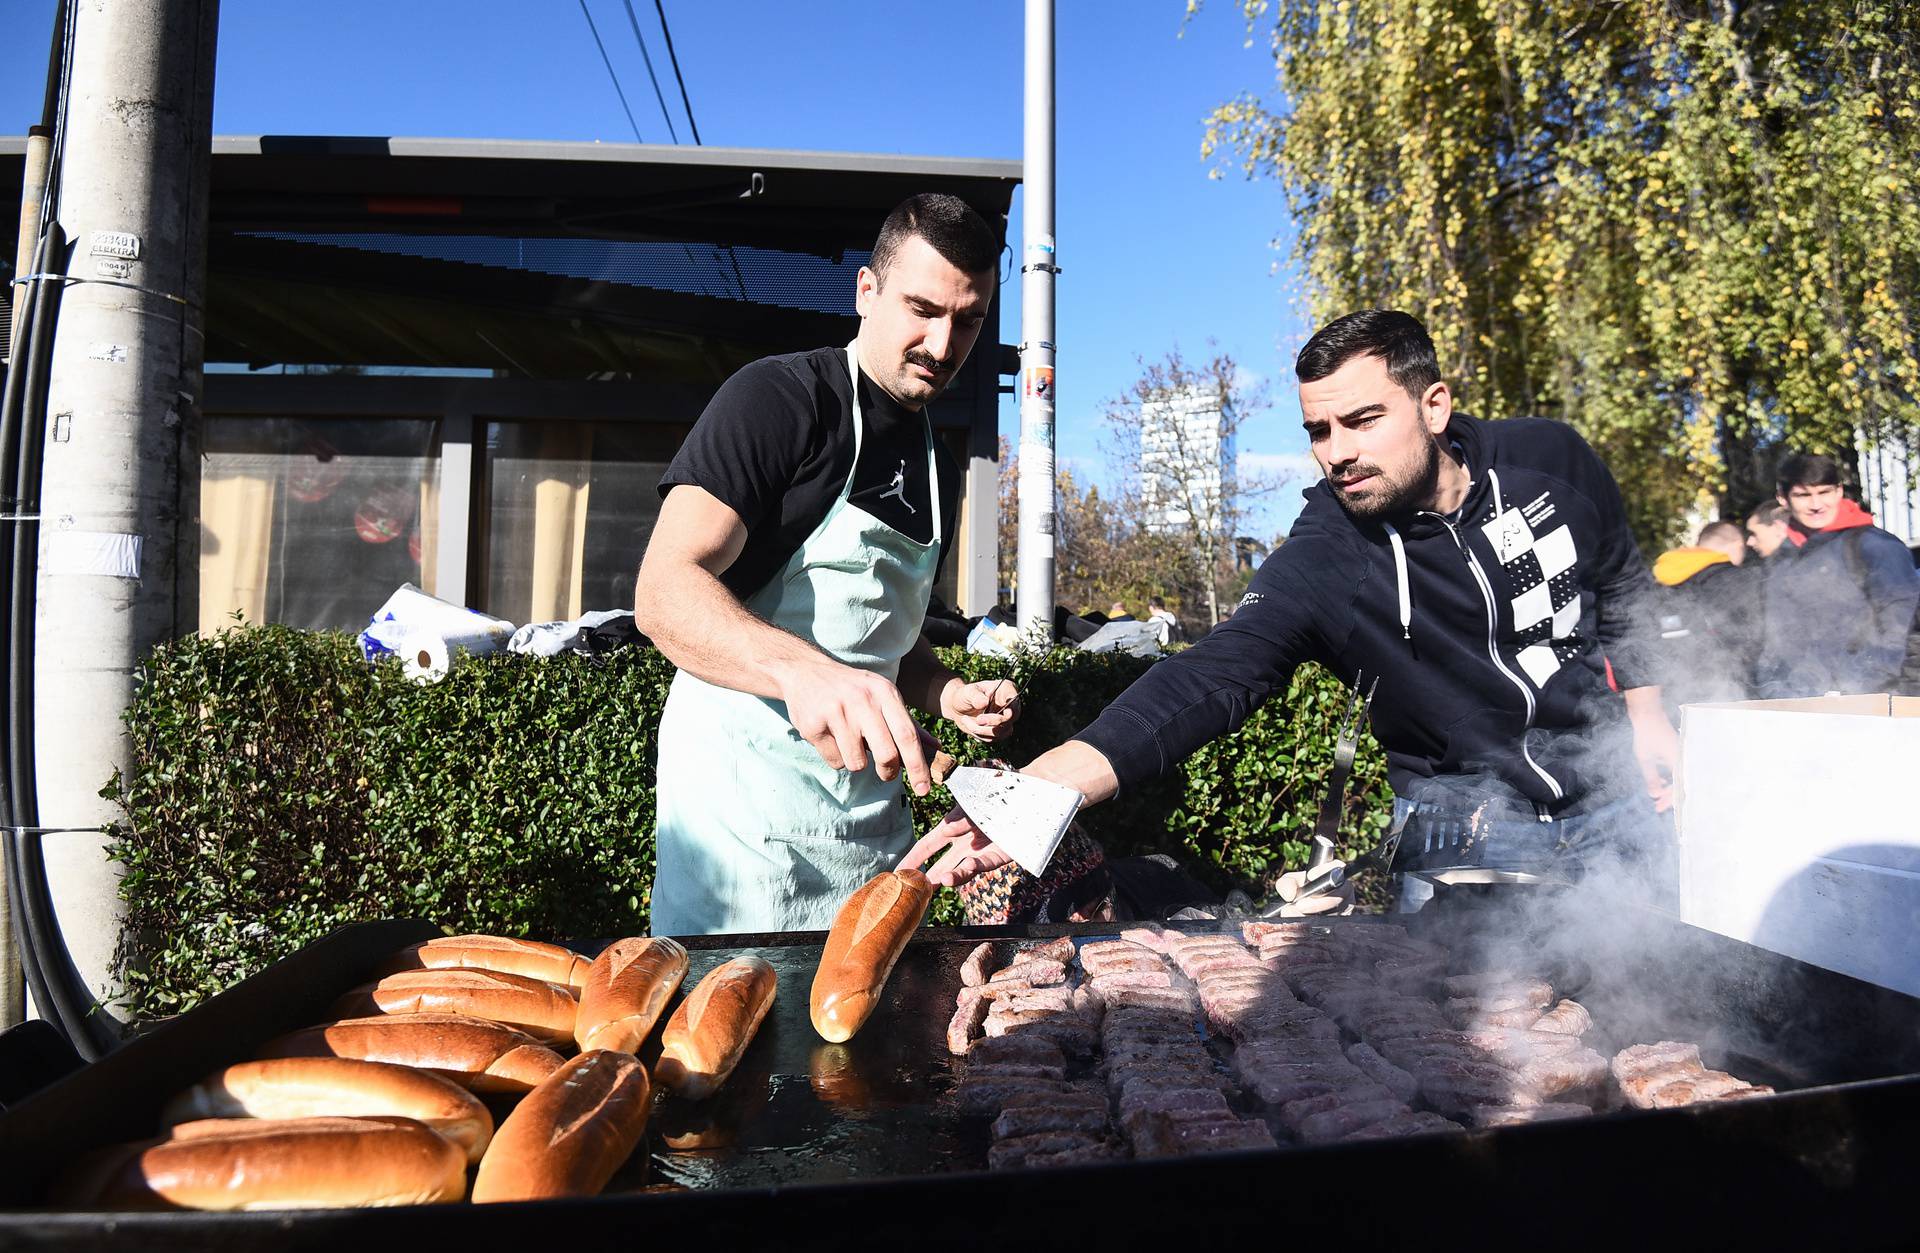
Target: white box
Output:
[(1799, 826)]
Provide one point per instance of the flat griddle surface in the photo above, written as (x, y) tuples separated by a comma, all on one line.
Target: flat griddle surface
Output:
[(799, 1109), (817, 1147)]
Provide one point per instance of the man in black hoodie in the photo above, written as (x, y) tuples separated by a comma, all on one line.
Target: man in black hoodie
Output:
[(1484, 575)]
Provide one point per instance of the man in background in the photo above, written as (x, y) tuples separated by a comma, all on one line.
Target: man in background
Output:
[(1767, 529), (1840, 598), (1166, 627), (1709, 610)]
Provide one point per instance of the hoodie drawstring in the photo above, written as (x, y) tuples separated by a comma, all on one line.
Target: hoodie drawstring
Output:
[(1400, 581)]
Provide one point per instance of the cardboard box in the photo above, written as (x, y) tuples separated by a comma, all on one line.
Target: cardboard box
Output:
[(1799, 827)]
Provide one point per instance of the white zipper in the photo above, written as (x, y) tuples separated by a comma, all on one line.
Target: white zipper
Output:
[(1493, 652)]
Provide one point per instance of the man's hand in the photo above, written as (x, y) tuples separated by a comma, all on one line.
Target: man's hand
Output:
[(972, 852), (983, 710), (1287, 887), (853, 716), (1655, 745), (1073, 764)]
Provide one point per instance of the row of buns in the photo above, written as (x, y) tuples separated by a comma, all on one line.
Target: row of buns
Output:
[(378, 1106)]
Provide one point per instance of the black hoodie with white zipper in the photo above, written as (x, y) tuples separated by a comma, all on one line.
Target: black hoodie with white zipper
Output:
[(1489, 632)]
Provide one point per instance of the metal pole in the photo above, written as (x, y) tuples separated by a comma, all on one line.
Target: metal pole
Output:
[(1037, 271), (118, 567)]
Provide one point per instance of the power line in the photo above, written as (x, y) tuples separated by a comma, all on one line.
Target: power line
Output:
[(685, 103), (648, 58), (610, 74)]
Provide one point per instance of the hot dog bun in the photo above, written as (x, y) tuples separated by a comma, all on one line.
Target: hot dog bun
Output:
[(531, 958), (473, 1052), (543, 1010), (569, 1135), (321, 1087), (629, 984), (869, 934), (705, 1037), (305, 1163)]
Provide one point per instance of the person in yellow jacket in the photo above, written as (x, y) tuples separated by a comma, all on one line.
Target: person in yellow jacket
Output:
[(1709, 617)]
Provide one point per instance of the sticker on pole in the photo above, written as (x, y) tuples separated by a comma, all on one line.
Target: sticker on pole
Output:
[(1039, 382), (122, 244)]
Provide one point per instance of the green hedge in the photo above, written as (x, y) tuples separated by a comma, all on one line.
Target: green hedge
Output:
[(281, 787)]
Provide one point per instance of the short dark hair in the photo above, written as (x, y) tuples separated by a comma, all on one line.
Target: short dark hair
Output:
[(1808, 469), (1729, 532), (1396, 338), (948, 223), (1773, 513)]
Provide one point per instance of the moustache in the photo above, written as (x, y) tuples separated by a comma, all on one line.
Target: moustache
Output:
[(927, 361), (1348, 474)]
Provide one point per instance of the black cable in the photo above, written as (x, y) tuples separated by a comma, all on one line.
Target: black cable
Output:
[(610, 74), (648, 58), (684, 102), (34, 343)]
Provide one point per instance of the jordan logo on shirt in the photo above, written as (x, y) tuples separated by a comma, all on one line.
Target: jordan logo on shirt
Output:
[(899, 487)]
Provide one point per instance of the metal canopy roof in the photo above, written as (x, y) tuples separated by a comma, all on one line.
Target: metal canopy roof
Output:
[(548, 259)]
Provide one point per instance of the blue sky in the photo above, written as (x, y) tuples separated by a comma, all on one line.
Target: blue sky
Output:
[(1154, 253)]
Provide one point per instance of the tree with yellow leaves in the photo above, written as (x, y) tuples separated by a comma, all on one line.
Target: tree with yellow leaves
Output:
[(1691, 228)]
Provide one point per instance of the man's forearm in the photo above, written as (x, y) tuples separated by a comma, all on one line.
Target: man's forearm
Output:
[(704, 629), (1077, 765)]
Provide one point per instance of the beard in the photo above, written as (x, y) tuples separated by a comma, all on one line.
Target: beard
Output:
[(1412, 489)]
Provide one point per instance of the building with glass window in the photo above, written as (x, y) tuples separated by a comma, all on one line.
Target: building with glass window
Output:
[(465, 364)]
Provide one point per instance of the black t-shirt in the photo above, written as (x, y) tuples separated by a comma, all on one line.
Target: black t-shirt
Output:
[(775, 445)]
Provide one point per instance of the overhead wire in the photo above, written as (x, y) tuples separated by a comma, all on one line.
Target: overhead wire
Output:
[(685, 103), (733, 260), (648, 58), (608, 62)]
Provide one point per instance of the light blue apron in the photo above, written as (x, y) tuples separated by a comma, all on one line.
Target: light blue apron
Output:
[(756, 832)]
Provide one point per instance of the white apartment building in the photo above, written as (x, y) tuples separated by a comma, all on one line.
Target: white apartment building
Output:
[(1186, 458)]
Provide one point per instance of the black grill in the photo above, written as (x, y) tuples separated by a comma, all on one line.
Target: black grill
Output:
[(816, 1145)]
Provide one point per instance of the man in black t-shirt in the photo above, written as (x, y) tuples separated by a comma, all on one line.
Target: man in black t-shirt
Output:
[(787, 577)]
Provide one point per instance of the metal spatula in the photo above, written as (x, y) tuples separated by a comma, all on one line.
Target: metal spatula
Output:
[(1023, 815)]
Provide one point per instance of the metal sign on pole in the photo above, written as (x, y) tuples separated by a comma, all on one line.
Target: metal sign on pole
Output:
[(1038, 269)]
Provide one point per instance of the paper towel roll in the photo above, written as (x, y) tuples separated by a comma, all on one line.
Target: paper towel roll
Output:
[(424, 656), (427, 656), (427, 632)]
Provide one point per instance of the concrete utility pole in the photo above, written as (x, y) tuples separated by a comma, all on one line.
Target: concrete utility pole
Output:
[(120, 497), (1037, 270)]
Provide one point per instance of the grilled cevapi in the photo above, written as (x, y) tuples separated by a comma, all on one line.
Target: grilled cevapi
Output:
[(1323, 1033)]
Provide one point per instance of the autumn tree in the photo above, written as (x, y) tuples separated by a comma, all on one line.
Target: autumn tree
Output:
[(1172, 437), (1102, 552), (1688, 227)]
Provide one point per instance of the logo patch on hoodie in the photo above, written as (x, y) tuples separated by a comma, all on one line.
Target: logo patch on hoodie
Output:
[(1546, 594)]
